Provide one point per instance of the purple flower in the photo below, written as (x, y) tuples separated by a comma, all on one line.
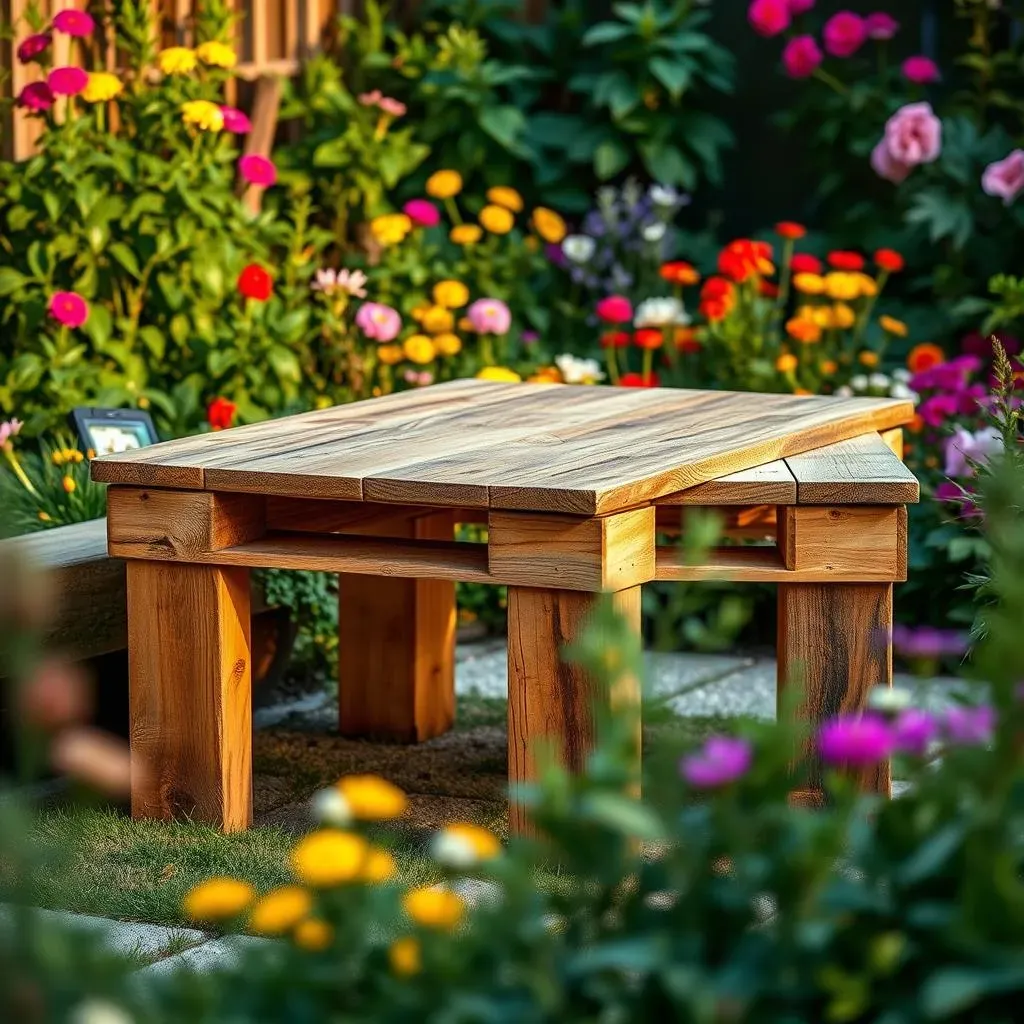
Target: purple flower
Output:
[(379, 322), (913, 732), (978, 344), (74, 23), (529, 337), (722, 759), (1005, 178), (927, 642), (859, 740), (258, 170), (967, 726), (32, 46), (935, 411), (67, 81), (964, 450), (489, 316), (881, 26), (235, 121), (36, 96)]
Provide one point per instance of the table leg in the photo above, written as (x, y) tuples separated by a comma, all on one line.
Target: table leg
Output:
[(834, 642), (190, 692), (549, 699), (396, 657)]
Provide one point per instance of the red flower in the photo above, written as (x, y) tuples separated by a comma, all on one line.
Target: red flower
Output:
[(849, 261), (768, 290), (220, 413), (686, 340), (805, 263), (680, 273), (255, 283), (615, 339), (790, 229), (889, 259), (616, 309), (639, 380), (717, 298), (649, 337), (744, 258)]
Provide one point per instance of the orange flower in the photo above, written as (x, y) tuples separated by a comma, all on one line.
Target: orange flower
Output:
[(790, 229), (829, 367), (717, 298), (649, 337), (786, 363), (686, 340), (889, 259), (803, 329), (802, 392), (916, 425), (868, 358), (680, 272), (745, 258), (924, 356)]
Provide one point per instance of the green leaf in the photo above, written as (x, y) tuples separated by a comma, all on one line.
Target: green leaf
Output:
[(931, 855), (504, 124), (623, 815), (674, 75), (667, 165), (951, 991), (99, 325), (126, 257), (606, 32), (610, 158), (11, 280), (154, 340), (285, 364), (220, 360)]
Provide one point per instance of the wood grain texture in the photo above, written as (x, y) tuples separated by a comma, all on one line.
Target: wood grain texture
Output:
[(551, 703), (476, 444), (396, 654), (855, 543), (190, 699), (859, 471), (770, 484), (894, 440), (833, 643)]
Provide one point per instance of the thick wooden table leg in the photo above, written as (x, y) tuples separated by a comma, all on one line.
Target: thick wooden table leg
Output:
[(834, 642), (396, 657), (190, 693), (549, 699)]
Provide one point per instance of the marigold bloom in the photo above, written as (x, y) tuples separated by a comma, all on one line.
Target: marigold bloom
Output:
[(680, 273), (177, 60), (649, 338), (687, 340), (313, 935), (380, 866), (437, 320), (745, 258), (868, 358), (786, 363), (68, 308), (405, 956), (549, 225), (451, 294), (370, 797), (329, 857), (924, 356), (280, 910), (203, 114), (545, 375), (418, 348), (840, 285), (256, 169), (74, 23), (101, 87), (499, 373), (255, 283), (466, 234), (502, 195), (891, 325), (843, 260), (809, 284), (805, 263), (497, 220), (434, 907), (217, 899), (790, 229), (391, 228), (868, 285), (804, 330), (218, 55), (444, 184), (843, 316), (448, 344), (67, 81), (889, 259), (389, 355)]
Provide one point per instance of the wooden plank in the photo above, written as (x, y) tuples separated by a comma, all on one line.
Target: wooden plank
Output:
[(260, 140), (397, 649), (894, 440), (770, 484), (844, 542), (833, 644), (190, 701), (551, 703), (861, 470), (739, 522), (568, 553)]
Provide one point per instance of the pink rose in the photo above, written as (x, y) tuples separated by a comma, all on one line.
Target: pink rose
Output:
[(36, 96), (802, 56), (913, 135), (1005, 178), (32, 46), (258, 170), (920, 70), (68, 308), (881, 26), (844, 34), (769, 17), (489, 316), (422, 212), (379, 322), (886, 167), (235, 121), (69, 81), (74, 23), (616, 309), (800, 6)]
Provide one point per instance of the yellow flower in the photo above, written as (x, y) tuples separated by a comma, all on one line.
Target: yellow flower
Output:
[(451, 294), (823, 316), (45, 517), (438, 320), (501, 373), (280, 910), (390, 354), (839, 285), (380, 866), (809, 284), (843, 316), (102, 86), (801, 392), (891, 325), (549, 225), (418, 348), (391, 228), (448, 344), (177, 60), (502, 195), (220, 55), (463, 845), (466, 234), (434, 907), (786, 363), (370, 797), (217, 899), (868, 358), (405, 956), (497, 220), (868, 285), (545, 375), (203, 114), (419, 312), (329, 857), (313, 935), (444, 184), (69, 485)]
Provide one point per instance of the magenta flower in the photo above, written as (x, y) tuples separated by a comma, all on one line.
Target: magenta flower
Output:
[(935, 411), (855, 740), (844, 34), (378, 322), (67, 81), (920, 70), (769, 17), (967, 726), (422, 212), (802, 56), (800, 6), (258, 170), (977, 344), (32, 46), (885, 166), (615, 309), (913, 135), (396, 108), (1005, 178), (489, 316), (914, 731), (36, 96), (236, 121), (965, 450), (722, 759), (915, 642), (74, 23), (68, 308), (881, 26)]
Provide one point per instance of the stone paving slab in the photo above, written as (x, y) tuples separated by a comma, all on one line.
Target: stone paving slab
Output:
[(217, 954)]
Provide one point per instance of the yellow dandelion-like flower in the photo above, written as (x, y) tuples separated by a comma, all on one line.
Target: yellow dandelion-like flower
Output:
[(868, 358), (549, 225), (499, 373), (418, 348), (419, 312), (389, 355), (280, 910), (451, 294), (370, 797), (444, 184), (177, 60), (329, 857), (448, 344), (809, 284), (438, 320), (313, 935), (218, 899), (868, 285), (786, 363), (466, 234), (463, 845), (391, 228), (497, 220), (380, 866), (434, 907), (891, 325), (69, 485), (842, 286), (405, 956), (101, 87), (203, 114), (502, 195), (219, 55), (843, 316)]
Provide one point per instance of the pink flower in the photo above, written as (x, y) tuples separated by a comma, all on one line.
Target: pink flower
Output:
[(965, 450), (258, 170), (920, 70), (68, 308), (916, 642), (967, 726), (913, 732), (913, 135), (392, 106), (8, 430), (236, 121), (489, 316), (36, 96), (68, 81), (74, 23), (855, 740), (371, 99), (379, 322), (419, 379), (844, 34), (883, 164), (1005, 178), (722, 759), (769, 17), (32, 46), (616, 309), (800, 6), (802, 56), (422, 212), (881, 26)]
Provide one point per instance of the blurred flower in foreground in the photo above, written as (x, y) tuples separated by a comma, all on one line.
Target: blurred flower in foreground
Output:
[(722, 759), (855, 740)]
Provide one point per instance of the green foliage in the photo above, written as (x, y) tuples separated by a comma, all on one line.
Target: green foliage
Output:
[(312, 600)]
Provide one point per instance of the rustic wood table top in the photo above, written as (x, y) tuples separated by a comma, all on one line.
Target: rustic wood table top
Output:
[(533, 447)]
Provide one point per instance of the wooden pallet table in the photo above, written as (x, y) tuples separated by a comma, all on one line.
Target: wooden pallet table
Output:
[(575, 485)]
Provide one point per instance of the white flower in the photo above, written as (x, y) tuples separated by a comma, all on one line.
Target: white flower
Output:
[(879, 380), (655, 232), (331, 808), (889, 699), (665, 196), (579, 248), (845, 391), (453, 850), (331, 281), (326, 280), (99, 1011), (578, 371), (859, 383), (667, 312), (903, 375), (900, 390)]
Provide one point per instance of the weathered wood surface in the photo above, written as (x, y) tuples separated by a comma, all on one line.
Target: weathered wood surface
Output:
[(860, 470), (770, 484), (477, 444)]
